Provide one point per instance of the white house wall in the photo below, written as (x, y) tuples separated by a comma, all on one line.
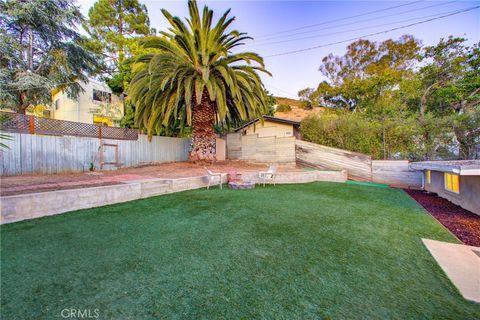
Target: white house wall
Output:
[(80, 110)]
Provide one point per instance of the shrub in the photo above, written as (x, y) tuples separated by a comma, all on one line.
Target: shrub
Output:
[(284, 108), (382, 139)]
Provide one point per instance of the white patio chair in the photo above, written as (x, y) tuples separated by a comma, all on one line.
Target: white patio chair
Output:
[(211, 178), (268, 175)]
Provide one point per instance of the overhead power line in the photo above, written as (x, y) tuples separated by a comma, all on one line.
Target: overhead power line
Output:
[(342, 19), (372, 34), (350, 30), (255, 42)]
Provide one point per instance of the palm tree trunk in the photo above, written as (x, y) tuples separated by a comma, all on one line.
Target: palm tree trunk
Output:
[(203, 134)]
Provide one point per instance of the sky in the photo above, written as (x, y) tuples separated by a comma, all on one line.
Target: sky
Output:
[(280, 27)]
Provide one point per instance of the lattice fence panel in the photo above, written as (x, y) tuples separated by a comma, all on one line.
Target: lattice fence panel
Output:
[(15, 122)]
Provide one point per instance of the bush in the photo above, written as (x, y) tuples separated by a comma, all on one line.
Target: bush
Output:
[(381, 139), (283, 108)]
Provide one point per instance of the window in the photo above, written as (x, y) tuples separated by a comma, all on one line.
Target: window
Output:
[(102, 96), (452, 182), (428, 175), (57, 104)]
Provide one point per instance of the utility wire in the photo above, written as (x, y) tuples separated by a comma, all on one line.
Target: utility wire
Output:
[(350, 30), (372, 34), (254, 42), (341, 19)]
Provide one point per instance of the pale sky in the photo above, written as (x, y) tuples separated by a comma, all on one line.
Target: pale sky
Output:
[(283, 26)]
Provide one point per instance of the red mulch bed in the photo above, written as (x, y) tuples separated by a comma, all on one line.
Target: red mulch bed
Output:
[(462, 223)]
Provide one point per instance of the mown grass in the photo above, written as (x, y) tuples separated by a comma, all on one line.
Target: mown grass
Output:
[(320, 250)]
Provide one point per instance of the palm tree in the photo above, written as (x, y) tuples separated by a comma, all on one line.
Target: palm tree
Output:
[(194, 76)]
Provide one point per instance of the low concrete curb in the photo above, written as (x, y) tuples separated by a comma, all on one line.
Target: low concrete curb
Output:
[(40, 204)]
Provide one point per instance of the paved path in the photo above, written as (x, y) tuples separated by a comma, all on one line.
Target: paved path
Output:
[(460, 263)]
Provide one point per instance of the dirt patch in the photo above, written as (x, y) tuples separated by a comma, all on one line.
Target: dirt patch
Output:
[(48, 182), (462, 223)]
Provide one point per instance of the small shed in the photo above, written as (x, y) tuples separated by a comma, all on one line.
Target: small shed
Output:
[(457, 181), (271, 127)]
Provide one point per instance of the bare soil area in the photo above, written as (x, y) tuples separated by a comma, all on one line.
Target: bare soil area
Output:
[(48, 182)]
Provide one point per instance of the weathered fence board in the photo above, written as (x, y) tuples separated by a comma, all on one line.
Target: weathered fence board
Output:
[(55, 154), (395, 173), (313, 155), (262, 150)]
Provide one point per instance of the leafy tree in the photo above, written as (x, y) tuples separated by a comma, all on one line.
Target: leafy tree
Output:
[(366, 71), (196, 78), (309, 97), (450, 84), (41, 50), (271, 102), (115, 27), (128, 119)]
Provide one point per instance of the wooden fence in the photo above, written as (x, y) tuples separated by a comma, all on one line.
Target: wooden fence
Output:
[(360, 167), (261, 150), (395, 173), (29, 153)]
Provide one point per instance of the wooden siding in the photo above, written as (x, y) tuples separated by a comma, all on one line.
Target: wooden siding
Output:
[(313, 155), (261, 150), (55, 154)]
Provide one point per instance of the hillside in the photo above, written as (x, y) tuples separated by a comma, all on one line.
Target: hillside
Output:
[(297, 113), (290, 102)]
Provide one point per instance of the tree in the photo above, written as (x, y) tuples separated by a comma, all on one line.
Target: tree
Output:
[(366, 71), (309, 97), (450, 84), (41, 50), (197, 78), (115, 27)]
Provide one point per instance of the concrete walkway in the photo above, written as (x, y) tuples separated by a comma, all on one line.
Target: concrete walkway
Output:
[(460, 263)]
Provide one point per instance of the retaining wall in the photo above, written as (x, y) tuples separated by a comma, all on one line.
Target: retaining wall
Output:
[(40, 204), (261, 150)]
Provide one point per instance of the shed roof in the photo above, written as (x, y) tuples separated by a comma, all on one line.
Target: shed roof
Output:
[(460, 167), (273, 119)]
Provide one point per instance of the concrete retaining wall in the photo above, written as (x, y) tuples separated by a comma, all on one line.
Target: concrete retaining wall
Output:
[(261, 150), (36, 205)]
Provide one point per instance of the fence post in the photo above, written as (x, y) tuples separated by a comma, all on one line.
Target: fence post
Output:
[(100, 132), (31, 124)]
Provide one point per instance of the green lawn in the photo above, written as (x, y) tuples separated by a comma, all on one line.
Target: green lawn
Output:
[(319, 250)]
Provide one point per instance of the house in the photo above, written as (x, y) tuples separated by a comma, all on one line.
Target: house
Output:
[(97, 105), (456, 181), (271, 127)]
